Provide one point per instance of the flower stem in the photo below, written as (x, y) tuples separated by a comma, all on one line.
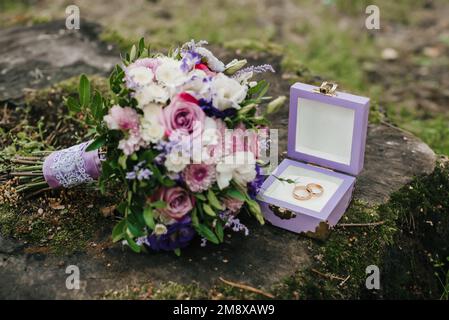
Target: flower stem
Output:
[(31, 186)]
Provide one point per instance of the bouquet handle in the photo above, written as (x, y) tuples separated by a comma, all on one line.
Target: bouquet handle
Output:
[(72, 166)]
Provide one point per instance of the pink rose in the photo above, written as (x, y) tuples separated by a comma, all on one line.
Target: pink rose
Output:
[(179, 202), (232, 204), (182, 113), (120, 118)]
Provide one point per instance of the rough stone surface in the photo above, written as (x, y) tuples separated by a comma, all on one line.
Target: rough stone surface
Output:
[(38, 56), (393, 157)]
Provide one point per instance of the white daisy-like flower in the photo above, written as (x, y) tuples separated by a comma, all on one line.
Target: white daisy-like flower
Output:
[(176, 161)]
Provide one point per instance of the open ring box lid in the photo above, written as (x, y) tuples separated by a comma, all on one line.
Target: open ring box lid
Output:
[(326, 145)]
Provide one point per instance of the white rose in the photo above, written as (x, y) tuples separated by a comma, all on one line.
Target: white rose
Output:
[(240, 166), (227, 92), (141, 76)]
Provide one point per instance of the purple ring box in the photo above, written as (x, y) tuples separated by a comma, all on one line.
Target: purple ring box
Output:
[(326, 145)]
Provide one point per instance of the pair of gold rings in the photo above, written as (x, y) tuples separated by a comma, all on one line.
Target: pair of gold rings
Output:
[(312, 190)]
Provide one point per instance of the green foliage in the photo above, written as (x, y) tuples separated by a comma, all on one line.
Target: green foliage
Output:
[(422, 209)]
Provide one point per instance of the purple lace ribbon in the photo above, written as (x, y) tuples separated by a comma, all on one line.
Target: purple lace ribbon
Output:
[(72, 166)]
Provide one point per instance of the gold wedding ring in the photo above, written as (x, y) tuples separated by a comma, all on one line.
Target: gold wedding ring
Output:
[(311, 190), (315, 189), (301, 193)]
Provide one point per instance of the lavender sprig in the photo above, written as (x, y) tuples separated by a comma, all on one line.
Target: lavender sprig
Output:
[(254, 69)]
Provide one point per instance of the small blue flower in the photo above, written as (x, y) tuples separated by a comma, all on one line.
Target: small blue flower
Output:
[(144, 174), (139, 172)]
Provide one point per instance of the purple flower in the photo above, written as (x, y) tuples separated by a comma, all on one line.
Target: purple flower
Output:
[(139, 172), (232, 222), (211, 111), (179, 235), (254, 186), (144, 174), (189, 60), (255, 69), (131, 175)]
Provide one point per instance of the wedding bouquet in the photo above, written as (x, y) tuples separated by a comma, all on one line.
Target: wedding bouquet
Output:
[(183, 133)]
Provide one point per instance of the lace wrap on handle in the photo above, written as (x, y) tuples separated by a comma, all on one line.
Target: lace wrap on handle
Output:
[(72, 166)]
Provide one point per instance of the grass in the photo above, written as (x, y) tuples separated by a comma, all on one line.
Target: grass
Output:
[(433, 131)]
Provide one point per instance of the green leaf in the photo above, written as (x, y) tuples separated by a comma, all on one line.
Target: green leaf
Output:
[(134, 229), (207, 233), (264, 90), (158, 204), (177, 251), (200, 196), (84, 90), (195, 221), (132, 53), (148, 217), (73, 105), (132, 244), (254, 208), (213, 200), (219, 231), (141, 45), (96, 144), (118, 232), (209, 211), (258, 87), (97, 106), (122, 161), (122, 207), (167, 182), (236, 194)]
